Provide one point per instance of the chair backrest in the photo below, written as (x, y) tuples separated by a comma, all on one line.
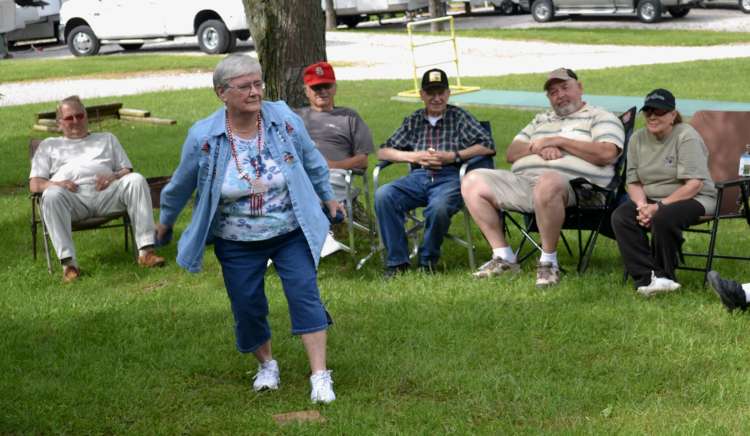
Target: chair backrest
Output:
[(33, 145), (725, 135), (628, 123)]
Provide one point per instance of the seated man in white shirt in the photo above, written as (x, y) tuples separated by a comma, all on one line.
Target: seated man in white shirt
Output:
[(82, 175)]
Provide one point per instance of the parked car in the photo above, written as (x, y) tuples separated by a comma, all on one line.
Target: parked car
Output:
[(648, 11), (352, 12), (87, 24), (743, 4)]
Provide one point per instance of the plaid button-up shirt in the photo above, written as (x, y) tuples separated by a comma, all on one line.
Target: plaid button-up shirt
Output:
[(456, 130)]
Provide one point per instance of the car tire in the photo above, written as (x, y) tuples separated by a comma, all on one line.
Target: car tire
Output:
[(213, 37), (507, 7), (131, 46), (678, 11), (350, 21), (649, 11), (745, 6), (542, 11), (83, 42)]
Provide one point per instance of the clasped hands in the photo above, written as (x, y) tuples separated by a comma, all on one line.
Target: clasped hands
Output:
[(646, 212), (547, 148), (433, 159)]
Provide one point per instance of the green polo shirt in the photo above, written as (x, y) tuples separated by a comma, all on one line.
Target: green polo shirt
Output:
[(663, 166)]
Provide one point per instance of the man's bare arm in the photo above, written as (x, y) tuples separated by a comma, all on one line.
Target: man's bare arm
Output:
[(357, 161)]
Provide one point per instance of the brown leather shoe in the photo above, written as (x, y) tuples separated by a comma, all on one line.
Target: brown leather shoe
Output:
[(70, 273), (150, 260)]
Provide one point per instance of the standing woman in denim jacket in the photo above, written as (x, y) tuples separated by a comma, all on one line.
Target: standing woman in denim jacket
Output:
[(259, 181)]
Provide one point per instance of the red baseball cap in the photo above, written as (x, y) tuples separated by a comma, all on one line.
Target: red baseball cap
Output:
[(321, 72)]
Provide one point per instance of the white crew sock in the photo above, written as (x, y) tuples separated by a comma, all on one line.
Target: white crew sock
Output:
[(504, 253), (746, 288), (549, 257)]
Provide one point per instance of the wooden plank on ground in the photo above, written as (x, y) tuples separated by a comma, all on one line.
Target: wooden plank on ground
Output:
[(150, 120), (110, 110), (46, 128), (297, 417), (134, 113)]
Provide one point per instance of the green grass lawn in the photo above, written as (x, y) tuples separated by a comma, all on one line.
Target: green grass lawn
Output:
[(132, 351), (614, 36)]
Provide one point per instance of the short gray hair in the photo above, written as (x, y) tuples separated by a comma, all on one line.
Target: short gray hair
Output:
[(235, 65), (73, 100)]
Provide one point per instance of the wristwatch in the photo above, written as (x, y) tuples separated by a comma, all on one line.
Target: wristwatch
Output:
[(458, 159), (659, 204)]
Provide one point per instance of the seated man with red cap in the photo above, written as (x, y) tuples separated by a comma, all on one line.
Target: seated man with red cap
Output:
[(340, 134)]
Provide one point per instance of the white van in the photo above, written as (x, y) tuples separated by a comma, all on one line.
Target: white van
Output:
[(35, 23), (86, 24)]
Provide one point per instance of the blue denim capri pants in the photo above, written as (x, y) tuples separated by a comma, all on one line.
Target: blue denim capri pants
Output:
[(244, 265)]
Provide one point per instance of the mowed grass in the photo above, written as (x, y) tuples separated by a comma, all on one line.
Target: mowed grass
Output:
[(609, 36), (133, 351), (21, 70)]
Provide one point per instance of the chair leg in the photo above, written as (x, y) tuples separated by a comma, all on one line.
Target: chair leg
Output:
[(45, 238), (33, 227), (711, 247), (469, 240)]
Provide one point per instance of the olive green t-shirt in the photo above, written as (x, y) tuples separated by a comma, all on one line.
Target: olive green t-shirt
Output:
[(663, 166)]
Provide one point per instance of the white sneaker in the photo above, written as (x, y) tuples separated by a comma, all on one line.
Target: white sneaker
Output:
[(658, 285), (322, 387), (267, 376)]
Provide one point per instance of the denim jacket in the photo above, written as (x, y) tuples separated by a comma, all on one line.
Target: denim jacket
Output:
[(204, 160)]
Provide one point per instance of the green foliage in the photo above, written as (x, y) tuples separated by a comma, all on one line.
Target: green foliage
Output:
[(131, 351)]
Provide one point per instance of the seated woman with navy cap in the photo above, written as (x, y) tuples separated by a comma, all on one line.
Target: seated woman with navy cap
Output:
[(670, 188)]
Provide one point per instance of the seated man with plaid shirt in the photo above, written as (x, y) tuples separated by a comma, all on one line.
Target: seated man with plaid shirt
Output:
[(435, 141)]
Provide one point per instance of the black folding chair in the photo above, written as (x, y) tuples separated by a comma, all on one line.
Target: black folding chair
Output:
[(586, 215)]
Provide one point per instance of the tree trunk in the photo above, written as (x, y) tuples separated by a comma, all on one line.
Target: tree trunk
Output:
[(437, 9), (288, 36), (330, 15)]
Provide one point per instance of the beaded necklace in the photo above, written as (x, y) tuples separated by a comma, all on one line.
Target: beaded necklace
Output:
[(257, 187)]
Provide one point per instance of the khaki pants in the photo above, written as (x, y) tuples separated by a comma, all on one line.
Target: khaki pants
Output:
[(515, 191), (60, 208)]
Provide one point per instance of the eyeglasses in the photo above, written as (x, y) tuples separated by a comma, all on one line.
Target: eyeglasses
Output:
[(658, 112), (321, 87), (78, 117), (247, 87)]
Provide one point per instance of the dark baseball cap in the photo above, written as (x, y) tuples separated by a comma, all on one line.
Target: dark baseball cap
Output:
[(659, 99), (434, 78), (560, 74)]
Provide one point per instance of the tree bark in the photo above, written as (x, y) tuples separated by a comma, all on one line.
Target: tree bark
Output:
[(330, 15), (288, 36), (437, 9)]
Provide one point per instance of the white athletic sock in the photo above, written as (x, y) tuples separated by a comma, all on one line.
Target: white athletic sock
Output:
[(746, 288), (504, 253), (549, 257)]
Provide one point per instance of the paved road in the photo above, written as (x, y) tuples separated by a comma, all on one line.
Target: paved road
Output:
[(719, 19), (387, 56)]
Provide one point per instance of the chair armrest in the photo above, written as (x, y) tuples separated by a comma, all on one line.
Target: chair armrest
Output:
[(732, 182), (483, 161)]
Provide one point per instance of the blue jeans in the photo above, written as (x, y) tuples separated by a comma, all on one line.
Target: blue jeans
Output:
[(244, 265), (438, 191)]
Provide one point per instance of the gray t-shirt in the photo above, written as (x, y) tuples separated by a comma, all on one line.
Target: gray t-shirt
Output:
[(338, 134), (663, 166), (79, 160)]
